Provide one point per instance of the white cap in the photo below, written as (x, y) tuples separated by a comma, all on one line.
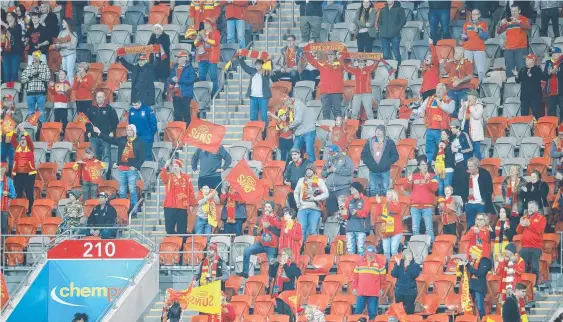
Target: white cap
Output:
[(159, 26)]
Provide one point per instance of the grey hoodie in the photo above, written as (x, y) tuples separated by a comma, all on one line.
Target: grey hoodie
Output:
[(305, 118), (302, 204), (341, 178), (68, 48)]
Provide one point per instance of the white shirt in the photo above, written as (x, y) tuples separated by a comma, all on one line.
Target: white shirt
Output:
[(476, 191), (256, 89)]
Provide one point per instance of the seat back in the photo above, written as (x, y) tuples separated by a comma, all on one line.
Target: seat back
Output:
[(15, 250), (122, 208)]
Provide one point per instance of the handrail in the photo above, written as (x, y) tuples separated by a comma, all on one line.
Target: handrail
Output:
[(293, 14), (279, 24), (267, 18), (225, 78)]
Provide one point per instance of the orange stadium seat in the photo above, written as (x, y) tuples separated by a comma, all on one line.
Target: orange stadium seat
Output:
[(256, 285), (264, 305), (279, 90), (306, 286), (355, 148), (47, 172), (546, 128), (272, 173), (122, 207), (51, 225), (334, 318), (280, 194), (540, 164), (278, 318), (74, 133), (496, 128), (194, 248), (346, 266), (110, 16), (89, 205), (51, 132), (397, 89), (262, 152), (332, 285), (27, 226), (110, 187), (42, 209), (56, 190), (444, 245), (356, 317), (15, 248), (252, 131), (342, 304), (17, 209), (116, 75), (549, 246), (438, 318), (241, 306), (406, 149), (492, 165), (467, 318), (430, 303), (322, 264), (444, 285), (107, 89), (349, 90), (453, 304), (338, 247), (445, 48), (80, 150), (233, 284), (319, 301), (315, 245), (159, 14), (171, 244)]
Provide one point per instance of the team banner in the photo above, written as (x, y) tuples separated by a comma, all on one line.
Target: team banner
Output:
[(82, 118), (245, 182), (254, 54), (8, 124), (326, 46), (367, 56), (33, 119), (466, 302), (204, 299), (146, 49), (204, 135)]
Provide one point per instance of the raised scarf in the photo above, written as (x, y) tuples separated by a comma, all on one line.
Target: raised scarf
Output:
[(176, 88), (231, 208), (314, 186), (205, 270), (5, 198), (210, 208), (445, 209), (440, 164), (512, 193), (128, 152)]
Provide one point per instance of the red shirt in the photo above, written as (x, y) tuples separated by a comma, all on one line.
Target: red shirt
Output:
[(474, 42), (24, 160), (459, 69), (516, 36), (236, 9), (369, 277), (362, 77), (179, 191), (91, 170), (423, 193), (532, 236), (394, 210), (435, 117), (339, 136), (292, 239), (332, 75), (83, 87), (431, 74), (203, 9), (212, 51), (482, 238), (60, 92), (267, 238)]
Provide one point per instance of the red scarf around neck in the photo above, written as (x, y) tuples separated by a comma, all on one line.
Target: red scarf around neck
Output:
[(471, 197)]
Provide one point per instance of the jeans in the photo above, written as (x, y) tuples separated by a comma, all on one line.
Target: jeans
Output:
[(378, 183), (11, 65), (478, 57), (362, 99), (432, 140), (175, 220), (308, 140), (61, 115), (471, 211), (395, 42), (441, 16), (148, 150), (7, 154), (68, 65), (477, 150), (256, 248), (355, 240), (310, 28), (235, 228), (547, 15), (36, 103), (238, 26), (515, 58), (479, 299), (457, 95), (372, 303), (391, 245), (426, 214), (102, 151), (204, 67), (364, 42), (443, 183), (531, 257), (553, 102), (285, 147), (127, 180), (331, 103), (89, 191), (202, 226), (259, 104), (309, 220)]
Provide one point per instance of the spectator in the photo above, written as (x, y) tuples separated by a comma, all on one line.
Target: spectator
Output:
[(35, 77), (178, 196), (235, 12), (473, 37), (309, 192), (480, 235), (74, 10), (23, 19), (406, 270), (391, 222), (11, 58), (476, 188), (291, 61), (104, 117), (49, 20), (258, 91), (144, 119), (556, 152), (283, 119), (66, 45), (284, 272), (514, 189), (73, 214), (532, 227), (267, 240), (369, 276), (207, 217), (378, 154), (90, 172), (159, 37), (553, 76), (314, 314), (332, 83), (310, 13), (212, 268), (477, 268), (510, 269), (24, 170), (82, 86), (80, 317), (291, 233), (365, 22), (537, 190), (208, 52), (338, 133), (430, 72), (303, 126), (436, 110), (227, 311), (362, 94), (548, 11), (530, 78), (130, 150), (102, 218), (439, 13), (449, 210), (460, 73), (37, 38), (182, 79), (173, 313), (8, 193), (391, 20), (201, 10), (516, 46), (502, 233), (462, 147), (337, 172), (7, 152), (234, 210), (143, 76), (423, 185), (60, 95), (512, 308), (294, 171), (210, 166), (356, 213), (444, 163), (471, 116)]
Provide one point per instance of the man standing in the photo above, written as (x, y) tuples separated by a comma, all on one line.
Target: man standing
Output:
[(182, 78), (311, 13), (234, 13), (303, 126), (476, 189), (516, 46), (439, 13), (473, 37), (548, 11), (532, 227), (35, 77), (103, 216), (461, 144), (144, 119), (7, 192), (309, 192), (511, 310), (212, 268), (178, 197), (553, 75), (332, 83), (391, 20), (37, 37), (105, 118), (159, 37), (294, 171), (143, 77), (337, 173), (291, 57), (477, 268), (378, 154), (369, 276), (460, 74), (210, 167)]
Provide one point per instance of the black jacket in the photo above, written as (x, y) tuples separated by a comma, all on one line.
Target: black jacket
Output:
[(138, 150), (106, 217), (104, 118), (16, 40), (509, 233), (532, 83), (143, 79), (293, 173), (546, 77), (478, 277), (537, 192), (485, 188), (511, 310), (390, 156), (266, 92), (313, 8), (219, 273), (449, 159), (164, 69), (52, 25), (391, 20), (37, 36), (292, 272), (406, 278)]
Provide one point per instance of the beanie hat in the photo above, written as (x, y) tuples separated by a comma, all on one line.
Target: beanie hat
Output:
[(311, 166), (358, 186), (511, 248)]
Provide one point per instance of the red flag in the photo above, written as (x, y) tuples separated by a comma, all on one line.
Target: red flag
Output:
[(34, 118), (82, 118), (8, 124), (245, 182), (4, 296), (204, 135)]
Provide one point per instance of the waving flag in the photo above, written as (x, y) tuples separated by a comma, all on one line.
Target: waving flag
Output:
[(82, 118), (205, 135), (245, 182), (8, 124), (33, 119)]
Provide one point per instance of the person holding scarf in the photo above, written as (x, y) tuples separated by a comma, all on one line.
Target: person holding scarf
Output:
[(450, 211), (291, 233), (502, 233), (8, 192), (530, 78), (406, 270), (206, 220), (309, 192), (143, 77), (445, 162), (430, 72), (357, 208), (234, 210), (208, 51), (480, 235), (332, 82), (337, 172), (178, 196), (212, 268), (471, 116), (477, 268), (362, 95), (182, 79), (553, 75), (159, 37), (82, 86), (291, 62), (258, 90), (423, 185), (284, 273), (90, 172), (532, 228), (367, 286), (338, 134), (7, 130), (283, 119), (514, 189), (391, 222), (510, 267), (24, 170), (460, 73)]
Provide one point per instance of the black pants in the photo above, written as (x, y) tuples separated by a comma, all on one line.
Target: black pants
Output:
[(211, 181), (293, 76), (408, 302), (365, 42), (449, 229), (182, 111), (428, 93), (83, 106), (553, 102), (547, 15), (527, 104), (175, 220), (4, 223), (531, 257), (61, 116), (24, 182)]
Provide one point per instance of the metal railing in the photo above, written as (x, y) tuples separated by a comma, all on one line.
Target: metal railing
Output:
[(267, 18)]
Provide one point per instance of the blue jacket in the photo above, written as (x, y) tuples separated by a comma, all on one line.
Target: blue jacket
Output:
[(11, 189), (145, 120), (186, 80), (406, 279), (466, 145)]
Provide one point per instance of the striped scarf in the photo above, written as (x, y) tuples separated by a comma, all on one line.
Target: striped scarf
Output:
[(128, 150), (314, 186), (210, 208)]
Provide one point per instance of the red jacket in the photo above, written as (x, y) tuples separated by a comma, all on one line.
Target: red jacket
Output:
[(532, 236), (91, 170), (236, 9), (423, 194), (211, 46), (203, 9), (361, 75), (484, 236), (24, 160), (513, 272), (267, 238), (338, 135), (369, 277), (516, 33), (332, 75), (292, 239), (393, 210), (431, 74), (57, 92), (83, 87), (179, 191)]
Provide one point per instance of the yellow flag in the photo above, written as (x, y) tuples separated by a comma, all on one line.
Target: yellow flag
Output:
[(206, 299), (524, 318), (466, 303)]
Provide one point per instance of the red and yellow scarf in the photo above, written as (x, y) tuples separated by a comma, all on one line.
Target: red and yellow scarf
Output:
[(210, 208), (128, 150), (512, 192), (314, 185), (231, 207), (440, 164), (205, 270), (279, 277), (498, 228), (470, 196), (388, 220)]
